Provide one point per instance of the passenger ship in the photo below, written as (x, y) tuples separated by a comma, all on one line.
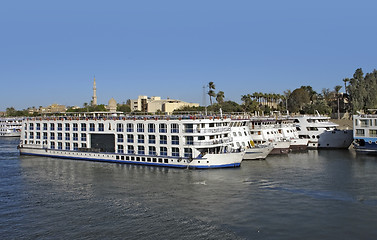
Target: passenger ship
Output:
[(171, 141), (10, 127), (241, 139), (265, 131), (321, 132), (365, 133)]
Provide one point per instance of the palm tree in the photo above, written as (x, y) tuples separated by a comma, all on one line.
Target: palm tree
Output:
[(211, 93), (345, 80)]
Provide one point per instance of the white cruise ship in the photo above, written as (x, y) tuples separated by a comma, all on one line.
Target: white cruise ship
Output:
[(264, 131), (321, 132), (10, 127), (241, 140), (175, 141), (288, 129), (365, 133)]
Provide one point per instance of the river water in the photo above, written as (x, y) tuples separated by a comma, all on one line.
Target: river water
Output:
[(328, 194)]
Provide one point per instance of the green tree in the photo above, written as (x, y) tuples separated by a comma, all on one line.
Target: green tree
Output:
[(220, 97), (297, 99)]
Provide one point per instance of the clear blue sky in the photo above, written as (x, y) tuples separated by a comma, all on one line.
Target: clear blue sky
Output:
[(50, 50)]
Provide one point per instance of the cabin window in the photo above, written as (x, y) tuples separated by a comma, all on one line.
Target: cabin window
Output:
[(372, 133), (360, 132), (75, 127), (189, 128), (163, 139), (67, 127), (130, 149), (52, 146), (163, 151), (151, 139), (364, 123), (140, 127), (201, 138), (120, 149), (38, 126), (190, 140), (67, 146), (75, 136), (60, 127), (45, 136), (52, 136), (175, 152), (67, 137), (60, 145), (175, 140), (130, 138), (140, 138), (174, 128), (101, 127), (60, 136), (120, 127), (162, 128), (83, 127), (31, 126), (141, 150), (188, 153), (91, 127), (152, 150), (130, 127), (75, 146), (120, 138), (38, 135), (151, 127), (45, 126), (83, 136), (83, 145)]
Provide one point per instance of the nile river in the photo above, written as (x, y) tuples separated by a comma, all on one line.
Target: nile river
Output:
[(313, 195)]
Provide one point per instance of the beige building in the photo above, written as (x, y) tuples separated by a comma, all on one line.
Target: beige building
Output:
[(112, 106), (155, 104), (53, 108)]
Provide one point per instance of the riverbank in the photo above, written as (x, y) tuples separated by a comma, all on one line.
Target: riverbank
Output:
[(343, 123)]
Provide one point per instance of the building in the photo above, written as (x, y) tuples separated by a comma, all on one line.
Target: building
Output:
[(156, 104), (112, 106)]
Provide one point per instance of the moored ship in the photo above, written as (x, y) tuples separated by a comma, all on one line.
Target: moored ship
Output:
[(365, 133), (171, 141), (322, 133), (10, 127), (241, 139)]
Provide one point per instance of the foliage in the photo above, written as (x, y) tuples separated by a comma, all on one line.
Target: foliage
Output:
[(297, 99), (362, 91), (123, 108)]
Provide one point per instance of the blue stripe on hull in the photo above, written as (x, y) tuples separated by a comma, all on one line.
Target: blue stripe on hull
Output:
[(136, 163)]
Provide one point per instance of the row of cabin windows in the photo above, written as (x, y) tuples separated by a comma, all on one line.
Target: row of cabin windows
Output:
[(140, 127), (152, 150), (163, 139), (130, 127), (361, 132), (58, 136), (366, 122)]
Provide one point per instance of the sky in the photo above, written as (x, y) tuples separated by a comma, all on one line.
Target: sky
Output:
[(51, 50)]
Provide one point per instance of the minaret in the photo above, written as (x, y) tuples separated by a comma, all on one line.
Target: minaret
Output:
[(94, 98)]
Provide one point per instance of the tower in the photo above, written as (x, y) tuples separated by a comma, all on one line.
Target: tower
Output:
[(94, 98)]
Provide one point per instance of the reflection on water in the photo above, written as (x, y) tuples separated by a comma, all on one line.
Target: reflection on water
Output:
[(315, 195)]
